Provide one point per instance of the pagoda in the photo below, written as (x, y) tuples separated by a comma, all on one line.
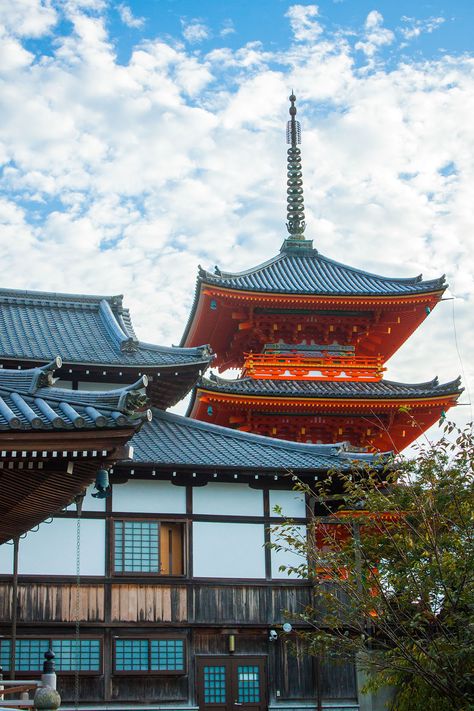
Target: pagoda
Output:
[(311, 337)]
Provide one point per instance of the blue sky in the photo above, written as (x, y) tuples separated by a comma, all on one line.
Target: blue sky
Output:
[(139, 139)]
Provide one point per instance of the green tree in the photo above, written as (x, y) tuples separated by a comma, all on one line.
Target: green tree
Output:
[(391, 553)]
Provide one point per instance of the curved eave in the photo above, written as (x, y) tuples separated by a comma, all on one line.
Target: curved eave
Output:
[(430, 296), (439, 394)]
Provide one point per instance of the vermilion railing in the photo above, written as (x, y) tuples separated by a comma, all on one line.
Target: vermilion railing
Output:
[(296, 366)]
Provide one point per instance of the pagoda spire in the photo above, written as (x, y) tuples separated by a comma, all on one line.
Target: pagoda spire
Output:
[(295, 201)]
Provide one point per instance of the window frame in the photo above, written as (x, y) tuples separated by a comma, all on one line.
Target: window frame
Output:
[(50, 639), (148, 672), (183, 524)]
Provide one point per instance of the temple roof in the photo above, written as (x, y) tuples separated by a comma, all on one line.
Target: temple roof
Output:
[(84, 329), (305, 271), (179, 441), (29, 401), (323, 389)]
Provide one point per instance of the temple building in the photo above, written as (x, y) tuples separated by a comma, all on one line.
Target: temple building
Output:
[(311, 337), (182, 603), (98, 344)]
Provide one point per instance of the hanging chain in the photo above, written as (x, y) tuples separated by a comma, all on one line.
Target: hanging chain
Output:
[(78, 601)]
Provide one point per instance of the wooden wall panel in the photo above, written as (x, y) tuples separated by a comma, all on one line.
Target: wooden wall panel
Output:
[(229, 604), (149, 689), (297, 672), (53, 603), (338, 680), (148, 603)]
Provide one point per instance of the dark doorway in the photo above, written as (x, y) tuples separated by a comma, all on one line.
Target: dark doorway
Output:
[(231, 683)]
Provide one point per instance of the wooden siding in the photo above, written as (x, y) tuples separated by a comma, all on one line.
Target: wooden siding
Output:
[(148, 603), (53, 603), (247, 604)]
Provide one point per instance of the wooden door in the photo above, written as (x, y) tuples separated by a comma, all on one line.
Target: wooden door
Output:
[(231, 683)]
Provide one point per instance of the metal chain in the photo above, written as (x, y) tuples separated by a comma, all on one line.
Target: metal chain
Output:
[(78, 604)]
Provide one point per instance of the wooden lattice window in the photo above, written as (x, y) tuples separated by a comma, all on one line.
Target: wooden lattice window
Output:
[(160, 655), (148, 547), (70, 655)]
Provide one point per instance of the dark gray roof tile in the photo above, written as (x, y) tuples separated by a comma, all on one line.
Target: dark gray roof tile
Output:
[(179, 441), (84, 329), (29, 401), (308, 272), (326, 389)]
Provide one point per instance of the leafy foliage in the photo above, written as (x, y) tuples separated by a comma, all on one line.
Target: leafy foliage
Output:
[(391, 555)]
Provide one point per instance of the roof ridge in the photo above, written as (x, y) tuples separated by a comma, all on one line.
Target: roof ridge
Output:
[(32, 295), (246, 272)]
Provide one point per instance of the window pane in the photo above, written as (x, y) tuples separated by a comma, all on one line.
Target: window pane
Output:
[(30, 654), (5, 654), (248, 678), (131, 654), (70, 658), (167, 655), (214, 685), (137, 547)]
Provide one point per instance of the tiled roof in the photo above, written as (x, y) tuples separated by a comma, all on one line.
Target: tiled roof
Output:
[(179, 441), (294, 271), (29, 401), (324, 389), (84, 329)]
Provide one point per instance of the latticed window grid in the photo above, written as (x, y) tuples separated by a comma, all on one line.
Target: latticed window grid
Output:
[(155, 655), (71, 657), (248, 684), (167, 655), (214, 685), (137, 547), (29, 654), (131, 655)]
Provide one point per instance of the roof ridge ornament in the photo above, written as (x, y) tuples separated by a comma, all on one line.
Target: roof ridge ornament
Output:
[(295, 199)]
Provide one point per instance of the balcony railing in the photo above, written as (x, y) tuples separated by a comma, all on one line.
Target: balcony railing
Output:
[(299, 366)]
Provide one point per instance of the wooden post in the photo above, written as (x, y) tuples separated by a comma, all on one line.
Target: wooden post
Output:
[(14, 608)]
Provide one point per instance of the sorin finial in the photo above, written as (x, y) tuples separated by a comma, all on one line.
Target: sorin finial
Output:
[(295, 201)]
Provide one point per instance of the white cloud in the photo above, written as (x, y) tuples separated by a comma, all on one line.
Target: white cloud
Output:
[(376, 35), (128, 19), (28, 18), (227, 28), (121, 178), (195, 31), (305, 27), (414, 27)]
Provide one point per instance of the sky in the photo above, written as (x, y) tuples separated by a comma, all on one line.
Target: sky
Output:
[(140, 139)]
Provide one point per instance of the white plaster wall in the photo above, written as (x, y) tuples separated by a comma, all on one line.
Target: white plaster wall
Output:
[(149, 497), (286, 557), (292, 503), (52, 549), (227, 500), (6, 559), (228, 550)]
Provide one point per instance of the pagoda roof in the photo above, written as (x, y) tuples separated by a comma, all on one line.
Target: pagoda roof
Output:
[(317, 389), (29, 401), (306, 271), (85, 329), (173, 440)]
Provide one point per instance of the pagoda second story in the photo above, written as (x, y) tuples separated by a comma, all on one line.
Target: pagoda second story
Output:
[(311, 337), (98, 344)]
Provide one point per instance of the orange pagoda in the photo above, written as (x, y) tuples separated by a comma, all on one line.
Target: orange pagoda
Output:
[(311, 337)]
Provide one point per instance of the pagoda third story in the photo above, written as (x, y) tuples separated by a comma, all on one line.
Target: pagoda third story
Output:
[(311, 337)]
